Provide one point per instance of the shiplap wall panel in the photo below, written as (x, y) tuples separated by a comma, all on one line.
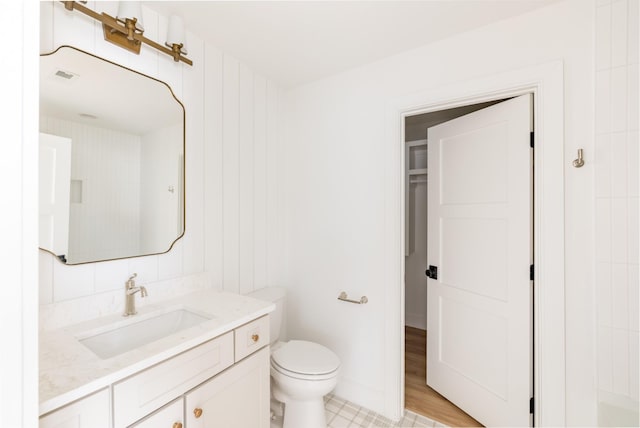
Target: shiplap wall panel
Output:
[(230, 169), (274, 255), (170, 264), (245, 187), (73, 28), (46, 27), (279, 266), (193, 81), (213, 158), (260, 182)]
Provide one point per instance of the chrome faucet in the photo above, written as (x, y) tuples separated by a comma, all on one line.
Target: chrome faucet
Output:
[(130, 290)]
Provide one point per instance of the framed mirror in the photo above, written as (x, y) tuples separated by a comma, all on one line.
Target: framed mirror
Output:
[(111, 168)]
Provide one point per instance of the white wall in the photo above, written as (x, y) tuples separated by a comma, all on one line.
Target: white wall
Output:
[(19, 225), (231, 145), (616, 210), (335, 184)]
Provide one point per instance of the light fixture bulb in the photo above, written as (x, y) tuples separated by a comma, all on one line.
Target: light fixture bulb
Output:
[(175, 33), (130, 10)]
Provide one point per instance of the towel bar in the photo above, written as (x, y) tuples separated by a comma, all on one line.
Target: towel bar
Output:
[(344, 298)]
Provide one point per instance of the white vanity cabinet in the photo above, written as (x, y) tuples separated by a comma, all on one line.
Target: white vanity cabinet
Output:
[(93, 411), (226, 378), (237, 398)]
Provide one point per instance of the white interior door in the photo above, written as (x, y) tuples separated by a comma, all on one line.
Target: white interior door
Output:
[(479, 349), (54, 191)]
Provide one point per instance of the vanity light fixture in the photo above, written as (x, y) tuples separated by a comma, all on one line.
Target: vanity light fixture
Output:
[(175, 36), (126, 30), (130, 15)]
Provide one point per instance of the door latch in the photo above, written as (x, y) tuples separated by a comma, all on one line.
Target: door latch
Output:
[(432, 272)]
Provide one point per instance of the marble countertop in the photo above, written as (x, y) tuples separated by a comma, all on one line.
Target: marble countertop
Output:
[(69, 370)]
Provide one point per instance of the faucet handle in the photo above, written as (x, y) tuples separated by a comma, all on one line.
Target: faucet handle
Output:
[(130, 282)]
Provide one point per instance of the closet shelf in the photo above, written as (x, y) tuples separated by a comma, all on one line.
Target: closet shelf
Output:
[(418, 171), (417, 143)]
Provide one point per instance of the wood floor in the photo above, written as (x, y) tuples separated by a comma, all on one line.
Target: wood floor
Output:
[(418, 397)]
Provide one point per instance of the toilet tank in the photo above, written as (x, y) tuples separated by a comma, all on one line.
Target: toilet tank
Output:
[(275, 295)]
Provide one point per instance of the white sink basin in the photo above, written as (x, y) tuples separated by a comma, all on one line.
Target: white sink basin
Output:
[(119, 339)]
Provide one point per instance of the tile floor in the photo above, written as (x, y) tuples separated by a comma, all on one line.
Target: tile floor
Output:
[(344, 414)]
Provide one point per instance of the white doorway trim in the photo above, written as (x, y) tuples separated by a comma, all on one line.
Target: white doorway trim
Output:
[(546, 83)]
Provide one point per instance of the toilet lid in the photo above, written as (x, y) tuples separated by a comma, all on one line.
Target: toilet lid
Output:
[(300, 356)]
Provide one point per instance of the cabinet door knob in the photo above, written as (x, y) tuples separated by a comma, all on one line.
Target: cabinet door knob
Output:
[(177, 425), (255, 337), (197, 412)]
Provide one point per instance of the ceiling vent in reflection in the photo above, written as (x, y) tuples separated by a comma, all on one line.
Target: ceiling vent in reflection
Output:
[(66, 75)]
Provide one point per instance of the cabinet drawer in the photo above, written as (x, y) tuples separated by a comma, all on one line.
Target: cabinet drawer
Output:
[(251, 337), (144, 392)]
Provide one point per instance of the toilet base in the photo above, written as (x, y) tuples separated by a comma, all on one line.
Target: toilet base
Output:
[(298, 414), (308, 414)]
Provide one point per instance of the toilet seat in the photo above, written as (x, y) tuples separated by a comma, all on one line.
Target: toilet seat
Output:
[(305, 360)]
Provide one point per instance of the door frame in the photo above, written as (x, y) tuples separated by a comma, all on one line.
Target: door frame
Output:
[(545, 82)]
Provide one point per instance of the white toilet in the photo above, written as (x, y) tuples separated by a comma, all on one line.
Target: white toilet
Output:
[(302, 372)]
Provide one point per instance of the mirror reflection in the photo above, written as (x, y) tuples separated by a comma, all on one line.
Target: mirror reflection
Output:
[(111, 166)]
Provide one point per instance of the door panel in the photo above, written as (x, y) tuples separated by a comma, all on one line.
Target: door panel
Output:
[(467, 151), (479, 237), (466, 327), (463, 266)]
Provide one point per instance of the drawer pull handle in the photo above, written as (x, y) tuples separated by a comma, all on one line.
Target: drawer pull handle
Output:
[(255, 337), (197, 412), (177, 425)]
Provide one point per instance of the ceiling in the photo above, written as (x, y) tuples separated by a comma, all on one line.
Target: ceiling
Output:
[(72, 87), (295, 42)]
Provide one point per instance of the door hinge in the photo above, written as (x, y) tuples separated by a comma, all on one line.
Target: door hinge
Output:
[(531, 405), (432, 272), (531, 138), (531, 272)]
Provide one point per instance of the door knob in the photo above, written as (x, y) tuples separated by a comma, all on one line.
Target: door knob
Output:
[(177, 425), (432, 272), (197, 412)]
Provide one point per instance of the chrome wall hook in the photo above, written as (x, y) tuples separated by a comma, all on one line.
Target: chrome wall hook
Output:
[(578, 163)]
